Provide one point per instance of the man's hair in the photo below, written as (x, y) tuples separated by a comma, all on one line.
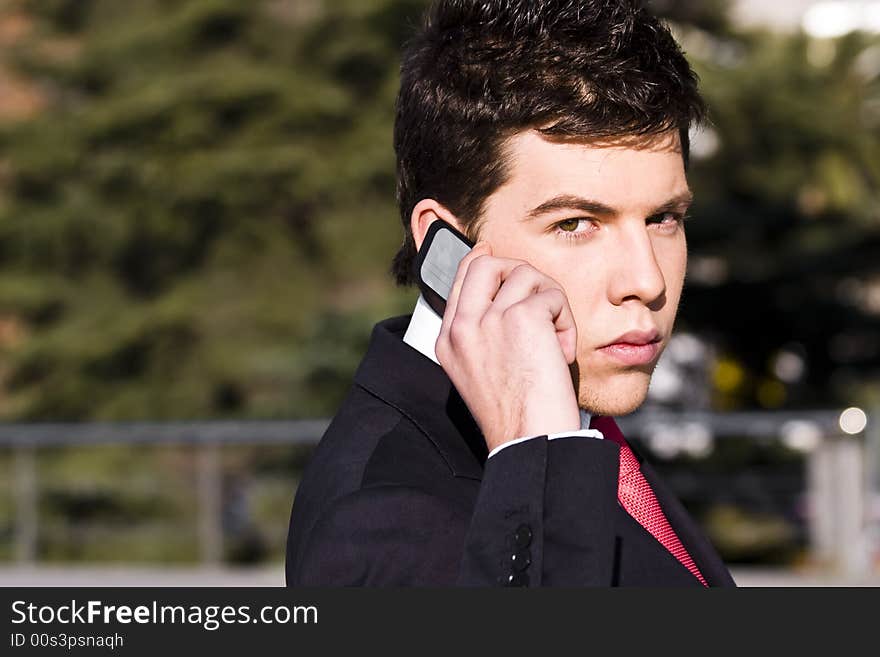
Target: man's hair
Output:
[(481, 71)]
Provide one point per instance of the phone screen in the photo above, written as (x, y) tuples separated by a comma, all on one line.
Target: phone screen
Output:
[(437, 263)]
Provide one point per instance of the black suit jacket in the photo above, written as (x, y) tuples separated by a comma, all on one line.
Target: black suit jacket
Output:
[(399, 493)]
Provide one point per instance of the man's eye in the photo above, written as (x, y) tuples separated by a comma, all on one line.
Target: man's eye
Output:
[(666, 217), (573, 229), (569, 225)]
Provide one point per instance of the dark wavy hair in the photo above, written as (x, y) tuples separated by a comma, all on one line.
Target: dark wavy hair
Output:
[(480, 71)]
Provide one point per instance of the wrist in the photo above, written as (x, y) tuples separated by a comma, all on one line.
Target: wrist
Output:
[(540, 425)]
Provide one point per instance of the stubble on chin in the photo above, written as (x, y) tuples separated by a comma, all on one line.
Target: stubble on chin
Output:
[(614, 394)]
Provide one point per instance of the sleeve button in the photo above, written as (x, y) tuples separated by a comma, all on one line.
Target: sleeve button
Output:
[(522, 538), (517, 579), (520, 560)]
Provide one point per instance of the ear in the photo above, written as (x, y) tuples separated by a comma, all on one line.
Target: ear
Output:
[(426, 212)]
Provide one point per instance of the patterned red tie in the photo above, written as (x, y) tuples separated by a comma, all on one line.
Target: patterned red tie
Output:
[(636, 496)]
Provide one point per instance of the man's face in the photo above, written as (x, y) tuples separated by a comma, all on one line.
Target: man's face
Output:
[(605, 222)]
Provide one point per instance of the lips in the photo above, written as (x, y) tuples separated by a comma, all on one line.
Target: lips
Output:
[(634, 347), (636, 338)]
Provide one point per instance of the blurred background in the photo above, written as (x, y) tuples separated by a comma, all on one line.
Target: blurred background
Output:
[(197, 219)]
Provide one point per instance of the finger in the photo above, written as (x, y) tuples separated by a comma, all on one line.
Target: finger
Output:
[(553, 303), (480, 248), (523, 281), (485, 277)]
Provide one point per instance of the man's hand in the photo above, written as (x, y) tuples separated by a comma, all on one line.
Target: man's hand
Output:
[(507, 338)]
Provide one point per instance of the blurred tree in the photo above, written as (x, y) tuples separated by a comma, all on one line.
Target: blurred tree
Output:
[(785, 240), (709, 15), (209, 183)]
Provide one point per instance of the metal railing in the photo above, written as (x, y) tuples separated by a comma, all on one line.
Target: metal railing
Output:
[(842, 469)]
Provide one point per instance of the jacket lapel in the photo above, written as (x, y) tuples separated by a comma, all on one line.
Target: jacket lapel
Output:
[(420, 389)]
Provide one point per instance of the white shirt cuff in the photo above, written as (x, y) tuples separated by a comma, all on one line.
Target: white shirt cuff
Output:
[(585, 433)]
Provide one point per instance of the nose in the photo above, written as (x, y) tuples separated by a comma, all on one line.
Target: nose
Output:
[(635, 273)]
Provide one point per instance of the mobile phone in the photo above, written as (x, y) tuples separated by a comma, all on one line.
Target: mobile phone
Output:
[(436, 263)]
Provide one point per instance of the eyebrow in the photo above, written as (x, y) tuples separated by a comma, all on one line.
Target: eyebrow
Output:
[(571, 202)]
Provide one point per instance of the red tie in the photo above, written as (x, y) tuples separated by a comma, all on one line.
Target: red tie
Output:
[(636, 496)]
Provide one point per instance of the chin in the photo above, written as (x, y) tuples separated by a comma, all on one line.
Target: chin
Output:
[(615, 395)]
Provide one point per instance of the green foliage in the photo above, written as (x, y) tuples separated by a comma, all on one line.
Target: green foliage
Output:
[(210, 186)]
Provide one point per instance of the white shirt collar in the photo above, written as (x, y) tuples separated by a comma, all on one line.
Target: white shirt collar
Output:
[(422, 333), (423, 329)]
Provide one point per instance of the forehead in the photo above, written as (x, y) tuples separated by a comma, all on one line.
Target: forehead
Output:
[(624, 173)]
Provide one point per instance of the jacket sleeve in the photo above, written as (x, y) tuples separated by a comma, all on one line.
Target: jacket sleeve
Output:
[(543, 517)]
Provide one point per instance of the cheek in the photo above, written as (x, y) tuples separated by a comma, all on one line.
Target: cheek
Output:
[(582, 285), (587, 298), (673, 263), (511, 244)]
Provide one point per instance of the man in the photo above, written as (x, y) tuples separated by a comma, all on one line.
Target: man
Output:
[(479, 448)]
